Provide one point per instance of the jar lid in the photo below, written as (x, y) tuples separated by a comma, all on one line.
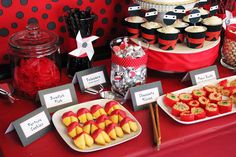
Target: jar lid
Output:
[(33, 40)]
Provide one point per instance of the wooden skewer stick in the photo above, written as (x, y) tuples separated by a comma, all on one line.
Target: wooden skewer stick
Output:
[(158, 127), (155, 131)]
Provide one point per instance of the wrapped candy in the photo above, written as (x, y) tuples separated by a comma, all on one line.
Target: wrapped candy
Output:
[(128, 67)]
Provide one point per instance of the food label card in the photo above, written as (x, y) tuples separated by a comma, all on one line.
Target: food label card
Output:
[(91, 78), (32, 126), (145, 94), (58, 97), (202, 75)]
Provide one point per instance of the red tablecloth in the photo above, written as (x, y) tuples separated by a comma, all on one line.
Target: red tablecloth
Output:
[(212, 138)]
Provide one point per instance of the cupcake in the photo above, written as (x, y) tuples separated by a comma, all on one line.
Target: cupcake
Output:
[(167, 37), (149, 31), (213, 25), (186, 19), (204, 13), (195, 36), (180, 25), (133, 24)]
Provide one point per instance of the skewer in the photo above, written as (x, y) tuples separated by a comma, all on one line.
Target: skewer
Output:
[(158, 127), (155, 131)]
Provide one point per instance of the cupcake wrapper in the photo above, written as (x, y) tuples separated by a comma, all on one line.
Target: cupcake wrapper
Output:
[(149, 34), (213, 32), (133, 32), (181, 34), (195, 42), (180, 38), (212, 36), (165, 44), (133, 29)]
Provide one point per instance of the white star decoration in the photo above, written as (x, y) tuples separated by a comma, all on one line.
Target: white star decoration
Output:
[(84, 45)]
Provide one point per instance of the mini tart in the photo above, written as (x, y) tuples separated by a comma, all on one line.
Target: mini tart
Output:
[(178, 108), (215, 97), (185, 97), (212, 109), (198, 93), (199, 113), (225, 106), (193, 103), (203, 101), (170, 99), (209, 89)]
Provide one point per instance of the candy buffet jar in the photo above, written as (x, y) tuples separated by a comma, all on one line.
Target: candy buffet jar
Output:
[(33, 57), (128, 68)]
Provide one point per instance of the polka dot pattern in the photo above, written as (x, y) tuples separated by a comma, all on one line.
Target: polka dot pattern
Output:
[(49, 14), (6, 3)]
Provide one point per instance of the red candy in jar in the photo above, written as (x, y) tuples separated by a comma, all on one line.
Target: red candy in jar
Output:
[(33, 59)]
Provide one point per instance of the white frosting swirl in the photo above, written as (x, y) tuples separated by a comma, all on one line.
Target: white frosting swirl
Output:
[(195, 29), (135, 19), (168, 30), (213, 20), (180, 24), (151, 25), (203, 11)]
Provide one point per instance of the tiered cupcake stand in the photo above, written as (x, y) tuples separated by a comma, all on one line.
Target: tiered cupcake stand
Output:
[(182, 58)]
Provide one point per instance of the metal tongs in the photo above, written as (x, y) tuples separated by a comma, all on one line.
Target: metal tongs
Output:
[(8, 94), (105, 94)]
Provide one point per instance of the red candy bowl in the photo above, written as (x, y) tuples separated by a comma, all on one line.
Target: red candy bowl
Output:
[(33, 59)]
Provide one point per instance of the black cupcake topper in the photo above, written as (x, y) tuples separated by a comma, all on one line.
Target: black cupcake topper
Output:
[(134, 10), (169, 18), (213, 9), (202, 2), (180, 11), (151, 14), (194, 16)]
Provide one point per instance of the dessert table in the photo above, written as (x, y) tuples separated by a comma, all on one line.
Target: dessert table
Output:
[(211, 138)]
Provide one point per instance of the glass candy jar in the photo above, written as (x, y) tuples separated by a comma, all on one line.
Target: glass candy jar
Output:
[(128, 68), (33, 54)]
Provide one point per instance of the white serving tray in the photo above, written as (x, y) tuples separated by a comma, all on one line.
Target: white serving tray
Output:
[(61, 128), (189, 90)]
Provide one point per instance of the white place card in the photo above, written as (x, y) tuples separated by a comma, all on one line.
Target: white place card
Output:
[(32, 126), (145, 94), (93, 77), (58, 97), (204, 75)]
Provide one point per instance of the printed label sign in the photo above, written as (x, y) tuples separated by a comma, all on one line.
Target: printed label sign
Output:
[(146, 96), (208, 76), (204, 74), (34, 124), (93, 79), (58, 97)]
